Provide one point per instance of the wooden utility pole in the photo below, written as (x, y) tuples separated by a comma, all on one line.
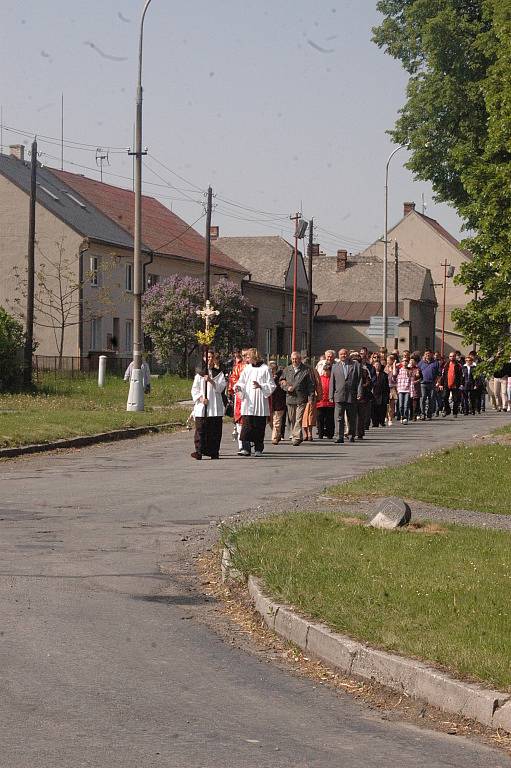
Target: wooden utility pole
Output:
[(296, 218), (396, 288), (311, 305), (29, 330)]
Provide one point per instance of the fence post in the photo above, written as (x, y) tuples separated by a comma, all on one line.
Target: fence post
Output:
[(101, 370)]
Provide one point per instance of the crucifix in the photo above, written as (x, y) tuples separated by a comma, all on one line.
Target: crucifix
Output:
[(207, 314)]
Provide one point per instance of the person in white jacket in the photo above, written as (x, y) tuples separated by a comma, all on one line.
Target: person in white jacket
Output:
[(255, 385), (208, 410)]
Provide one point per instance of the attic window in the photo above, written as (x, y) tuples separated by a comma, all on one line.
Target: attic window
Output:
[(75, 200), (45, 189)]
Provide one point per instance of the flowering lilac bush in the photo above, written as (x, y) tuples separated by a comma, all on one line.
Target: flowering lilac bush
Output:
[(170, 317)]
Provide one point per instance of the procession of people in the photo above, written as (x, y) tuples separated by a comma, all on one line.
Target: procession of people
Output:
[(340, 398)]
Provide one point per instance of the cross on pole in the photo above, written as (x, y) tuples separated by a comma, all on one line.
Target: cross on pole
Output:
[(207, 314)]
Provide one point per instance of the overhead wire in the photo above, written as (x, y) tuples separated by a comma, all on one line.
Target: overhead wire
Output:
[(178, 237)]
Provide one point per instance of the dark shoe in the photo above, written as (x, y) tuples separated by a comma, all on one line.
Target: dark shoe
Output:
[(215, 457), (360, 437), (339, 441), (196, 455), (352, 439), (297, 442)]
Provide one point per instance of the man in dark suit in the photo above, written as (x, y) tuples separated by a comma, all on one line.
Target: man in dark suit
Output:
[(345, 390)]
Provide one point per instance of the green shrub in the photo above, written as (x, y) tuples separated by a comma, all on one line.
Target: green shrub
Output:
[(12, 341)]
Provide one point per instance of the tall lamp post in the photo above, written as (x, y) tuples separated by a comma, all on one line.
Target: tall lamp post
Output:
[(136, 393), (448, 272), (385, 245)]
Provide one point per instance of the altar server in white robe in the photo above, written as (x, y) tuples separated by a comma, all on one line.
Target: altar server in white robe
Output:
[(255, 385)]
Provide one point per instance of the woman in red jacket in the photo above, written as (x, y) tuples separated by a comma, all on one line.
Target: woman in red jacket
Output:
[(325, 407)]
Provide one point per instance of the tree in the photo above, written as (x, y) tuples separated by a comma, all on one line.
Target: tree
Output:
[(457, 125), (12, 341), (170, 317), (58, 304)]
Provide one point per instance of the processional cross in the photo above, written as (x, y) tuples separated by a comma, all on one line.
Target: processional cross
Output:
[(207, 337)]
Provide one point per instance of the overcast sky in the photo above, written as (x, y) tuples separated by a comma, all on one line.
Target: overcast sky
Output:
[(278, 105)]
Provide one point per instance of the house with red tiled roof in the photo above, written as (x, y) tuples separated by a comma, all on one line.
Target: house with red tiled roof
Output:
[(426, 242), (86, 227)]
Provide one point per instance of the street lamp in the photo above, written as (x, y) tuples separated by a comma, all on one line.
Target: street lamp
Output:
[(448, 272), (385, 244), (136, 393)]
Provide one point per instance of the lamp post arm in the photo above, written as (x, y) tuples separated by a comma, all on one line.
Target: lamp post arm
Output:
[(385, 242)]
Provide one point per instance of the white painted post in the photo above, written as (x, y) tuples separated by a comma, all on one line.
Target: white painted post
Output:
[(101, 370)]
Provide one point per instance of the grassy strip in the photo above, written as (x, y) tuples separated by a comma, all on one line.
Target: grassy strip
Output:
[(438, 595), (71, 407), (466, 477)]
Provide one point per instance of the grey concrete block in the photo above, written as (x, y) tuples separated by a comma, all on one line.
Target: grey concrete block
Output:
[(394, 671), (455, 696), (263, 605), (331, 648), (502, 717), (292, 627)]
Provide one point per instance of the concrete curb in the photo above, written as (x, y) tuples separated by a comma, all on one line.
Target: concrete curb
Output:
[(413, 678), (79, 442)]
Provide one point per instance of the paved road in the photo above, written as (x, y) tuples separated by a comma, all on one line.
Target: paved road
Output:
[(102, 661)]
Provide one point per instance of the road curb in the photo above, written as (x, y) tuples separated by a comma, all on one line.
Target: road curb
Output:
[(408, 676), (83, 440)]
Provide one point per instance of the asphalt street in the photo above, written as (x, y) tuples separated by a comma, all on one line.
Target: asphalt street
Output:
[(102, 661)]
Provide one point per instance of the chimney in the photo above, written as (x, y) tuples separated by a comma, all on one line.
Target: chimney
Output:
[(214, 233), (408, 208), (342, 260), (17, 150)]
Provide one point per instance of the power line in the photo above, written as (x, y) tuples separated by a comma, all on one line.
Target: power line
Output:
[(68, 142), (178, 237)]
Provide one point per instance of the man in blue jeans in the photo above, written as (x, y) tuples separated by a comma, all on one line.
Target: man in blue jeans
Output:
[(430, 370)]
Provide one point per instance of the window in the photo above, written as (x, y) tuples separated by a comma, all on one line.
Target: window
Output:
[(96, 339), (290, 343), (128, 285), (129, 335), (94, 270), (280, 340), (269, 340), (152, 280), (289, 303), (305, 308), (415, 342), (427, 343), (304, 341)]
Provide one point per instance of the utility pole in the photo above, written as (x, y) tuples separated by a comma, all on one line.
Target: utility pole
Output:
[(396, 287), (62, 132), (311, 305), (207, 260), (296, 218), (29, 332)]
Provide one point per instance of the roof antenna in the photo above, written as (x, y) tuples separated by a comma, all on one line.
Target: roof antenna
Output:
[(101, 157)]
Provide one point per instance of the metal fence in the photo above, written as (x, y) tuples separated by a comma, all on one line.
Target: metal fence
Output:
[(75, 367)]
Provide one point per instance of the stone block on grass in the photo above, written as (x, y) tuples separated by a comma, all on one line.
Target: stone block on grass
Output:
[(392, 513)]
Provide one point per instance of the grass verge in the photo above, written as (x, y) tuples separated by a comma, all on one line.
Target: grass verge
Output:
[(438, 594), (466, 477), (62, 408)]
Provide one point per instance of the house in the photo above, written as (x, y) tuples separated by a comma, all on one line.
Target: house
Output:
[(349, 292), (426, 242), (87, 226), (270, 262)]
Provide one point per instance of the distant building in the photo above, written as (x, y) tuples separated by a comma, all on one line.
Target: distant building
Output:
[(424, 241), (91, 223), (270, 262), (349, 292)]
